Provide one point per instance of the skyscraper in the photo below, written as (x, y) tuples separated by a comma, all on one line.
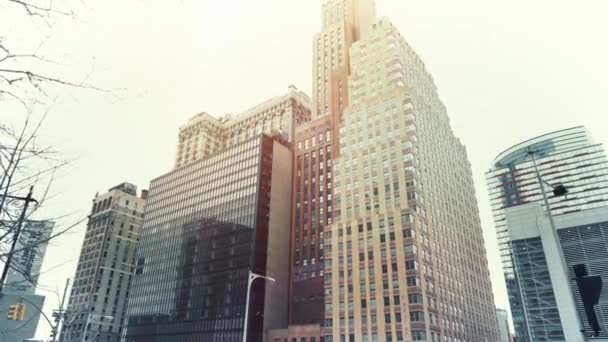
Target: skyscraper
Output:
[(404, 255), (316, 144), (204, 135), (207, 225), (545, 303), (97, 304)]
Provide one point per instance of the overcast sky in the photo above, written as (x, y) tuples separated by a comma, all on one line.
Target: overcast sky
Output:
[(507, 71)]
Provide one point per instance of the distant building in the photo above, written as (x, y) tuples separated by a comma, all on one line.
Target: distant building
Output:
[(27, 261), (207, 225), (97, 304), (204, 135), (545, 303), (502, 317), (21, 282)]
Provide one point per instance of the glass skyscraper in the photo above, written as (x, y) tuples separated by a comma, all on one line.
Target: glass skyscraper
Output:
[(207, 225), (544, 300)]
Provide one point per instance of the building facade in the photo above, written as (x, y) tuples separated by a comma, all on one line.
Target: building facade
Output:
[(101, 285), (502, 316), (404, 255), (204, 135), (537, 258), (316, 145), (207, 225)]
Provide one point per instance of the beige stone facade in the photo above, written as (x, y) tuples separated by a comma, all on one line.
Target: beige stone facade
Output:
[(343, 23), (404, 257), (204, 135)]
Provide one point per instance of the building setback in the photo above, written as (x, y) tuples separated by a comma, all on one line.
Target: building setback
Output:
[(545, 303), (404, 256), (207, 225), (97, 303), (316, 144)]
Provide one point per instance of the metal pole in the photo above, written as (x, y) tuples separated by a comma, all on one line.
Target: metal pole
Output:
[(250, 279), (57, 326), (9, 258), (554, 235)]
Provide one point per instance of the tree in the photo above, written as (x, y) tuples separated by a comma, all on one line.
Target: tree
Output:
[(27, 80)]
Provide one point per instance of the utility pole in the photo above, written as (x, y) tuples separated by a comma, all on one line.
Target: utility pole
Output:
[(9, 258), (58, 315)]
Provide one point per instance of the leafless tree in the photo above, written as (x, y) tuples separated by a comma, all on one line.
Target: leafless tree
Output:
[(26, 75), (26, 79)]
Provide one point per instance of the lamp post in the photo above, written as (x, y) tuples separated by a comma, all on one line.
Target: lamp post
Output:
[(558, 190), (86, 326), (252, 277)]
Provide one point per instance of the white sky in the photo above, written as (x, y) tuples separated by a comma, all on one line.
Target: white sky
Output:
[(507, 71)]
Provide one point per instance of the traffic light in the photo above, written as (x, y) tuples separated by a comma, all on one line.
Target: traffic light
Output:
[(16, 312), (12, 310)]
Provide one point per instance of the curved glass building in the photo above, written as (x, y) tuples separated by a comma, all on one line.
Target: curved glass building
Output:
[(544, 300)]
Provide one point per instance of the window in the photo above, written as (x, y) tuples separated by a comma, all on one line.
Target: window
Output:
[(409, 233), (411, 249), (413, 281), (418, 335), (416, 316), (414, 298), (411, 265), (406, 219)]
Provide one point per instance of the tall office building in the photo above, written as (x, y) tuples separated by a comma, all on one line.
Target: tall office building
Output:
[(204, 135), (404, 256), (316, 144), (545, 303), (97, 303), (18, 300), (207, 225), (502, 317)]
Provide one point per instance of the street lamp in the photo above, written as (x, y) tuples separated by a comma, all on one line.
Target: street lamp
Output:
[(558, 190), (252, 277), (86, 326)]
